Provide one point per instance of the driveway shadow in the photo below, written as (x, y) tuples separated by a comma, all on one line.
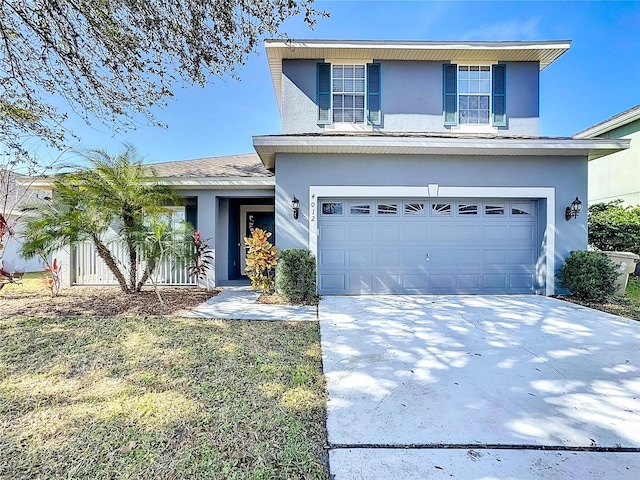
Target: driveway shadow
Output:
[(499, 370)]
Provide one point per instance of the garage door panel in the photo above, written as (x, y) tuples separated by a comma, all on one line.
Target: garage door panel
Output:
[(469, 282), (494, 232), (415, 282), (388, 257), (387, 233), (332, 258), (469, 258), (413, 256), (386, 283), (360, 283), (522, 257), (360, 258), (467, 234), (415, 233), (333, 233), (494, 281), (521, 234), (331, 283), (360, 233), (521, 281), (440, 233), (431, 251), (495, 257)]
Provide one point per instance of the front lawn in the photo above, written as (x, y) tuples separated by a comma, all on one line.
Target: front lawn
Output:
[(160, 398)]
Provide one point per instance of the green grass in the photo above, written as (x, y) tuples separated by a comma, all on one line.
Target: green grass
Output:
[(30, 282), (633, 292), (156, 398)]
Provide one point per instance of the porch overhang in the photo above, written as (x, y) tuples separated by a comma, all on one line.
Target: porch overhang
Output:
[(268, 146)]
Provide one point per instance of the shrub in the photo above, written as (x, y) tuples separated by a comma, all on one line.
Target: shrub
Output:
[(614, 227), (588, 275), (296, 276), (262, 258)]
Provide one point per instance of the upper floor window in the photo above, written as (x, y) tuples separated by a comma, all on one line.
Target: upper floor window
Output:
[(474, 89), (348, 93), (475, 94)]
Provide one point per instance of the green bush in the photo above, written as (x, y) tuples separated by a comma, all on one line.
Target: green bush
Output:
[(614, 227), (588, 275), (296, 276)]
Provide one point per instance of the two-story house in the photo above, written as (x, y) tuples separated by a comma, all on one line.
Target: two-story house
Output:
[(405, 167)]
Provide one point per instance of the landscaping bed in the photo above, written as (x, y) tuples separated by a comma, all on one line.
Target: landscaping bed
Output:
[(160, 397), (33, 300), (627, 306)]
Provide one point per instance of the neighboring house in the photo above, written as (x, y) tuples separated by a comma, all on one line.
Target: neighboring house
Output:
[(12, 198), (617, 175), (418, 168)]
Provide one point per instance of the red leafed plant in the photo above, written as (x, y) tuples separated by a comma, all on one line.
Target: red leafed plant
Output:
[(262, 258), (52, 276), (202, 258)]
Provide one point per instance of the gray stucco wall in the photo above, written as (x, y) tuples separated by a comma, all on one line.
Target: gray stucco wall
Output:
[(295, 173), (411, 97)]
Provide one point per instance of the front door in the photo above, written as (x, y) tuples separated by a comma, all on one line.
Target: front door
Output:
[(262, 217)]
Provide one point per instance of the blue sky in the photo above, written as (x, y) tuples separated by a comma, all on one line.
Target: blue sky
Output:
[(597, 78)]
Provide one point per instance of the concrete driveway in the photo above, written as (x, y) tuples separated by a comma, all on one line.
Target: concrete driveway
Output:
[(487, 387)]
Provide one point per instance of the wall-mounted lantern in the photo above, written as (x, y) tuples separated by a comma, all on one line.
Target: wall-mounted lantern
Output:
[(295, 206), (573, 210)]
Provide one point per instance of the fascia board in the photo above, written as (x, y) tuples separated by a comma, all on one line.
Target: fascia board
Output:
[(268, 147), (609, 125)]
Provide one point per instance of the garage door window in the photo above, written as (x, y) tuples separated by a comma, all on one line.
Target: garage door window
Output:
[(360, 209), (494, 209), (518, 209), (414, 209), (439, 209), (331, 208), (467, 209), (387, 209)]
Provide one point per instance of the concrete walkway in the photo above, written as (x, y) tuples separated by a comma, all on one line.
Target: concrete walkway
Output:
[(480, 387), (240, 303)]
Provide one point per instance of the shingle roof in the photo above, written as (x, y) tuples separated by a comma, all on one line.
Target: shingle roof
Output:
[(244, 165), (611, 123)]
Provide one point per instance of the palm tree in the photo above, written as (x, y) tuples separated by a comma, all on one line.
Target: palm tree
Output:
[(115, 192)]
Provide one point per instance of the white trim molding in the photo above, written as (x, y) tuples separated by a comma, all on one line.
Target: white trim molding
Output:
[(317, 192), (268, 146)]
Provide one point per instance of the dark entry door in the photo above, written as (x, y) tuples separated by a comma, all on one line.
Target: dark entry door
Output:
[(264, 221)]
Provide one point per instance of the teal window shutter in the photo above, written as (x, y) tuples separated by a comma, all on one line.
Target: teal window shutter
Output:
[(450, 89), (374, 114), (499, 96), (324, 93)]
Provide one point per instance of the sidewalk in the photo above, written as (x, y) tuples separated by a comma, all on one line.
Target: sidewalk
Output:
[(240, 303)]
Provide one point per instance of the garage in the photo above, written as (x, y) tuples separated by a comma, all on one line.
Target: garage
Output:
[(427, 246)]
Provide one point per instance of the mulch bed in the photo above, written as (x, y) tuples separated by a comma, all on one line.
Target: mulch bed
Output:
[(101, 302), (622, 308)]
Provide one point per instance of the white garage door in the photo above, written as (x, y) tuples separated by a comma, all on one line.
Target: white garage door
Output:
[(369, 246)]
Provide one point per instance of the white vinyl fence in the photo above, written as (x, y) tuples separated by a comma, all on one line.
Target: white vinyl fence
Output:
[(89, 269)]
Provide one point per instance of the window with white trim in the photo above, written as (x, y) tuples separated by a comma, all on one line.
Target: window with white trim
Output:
[(474, 95), (348, 93), (474, 91)]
